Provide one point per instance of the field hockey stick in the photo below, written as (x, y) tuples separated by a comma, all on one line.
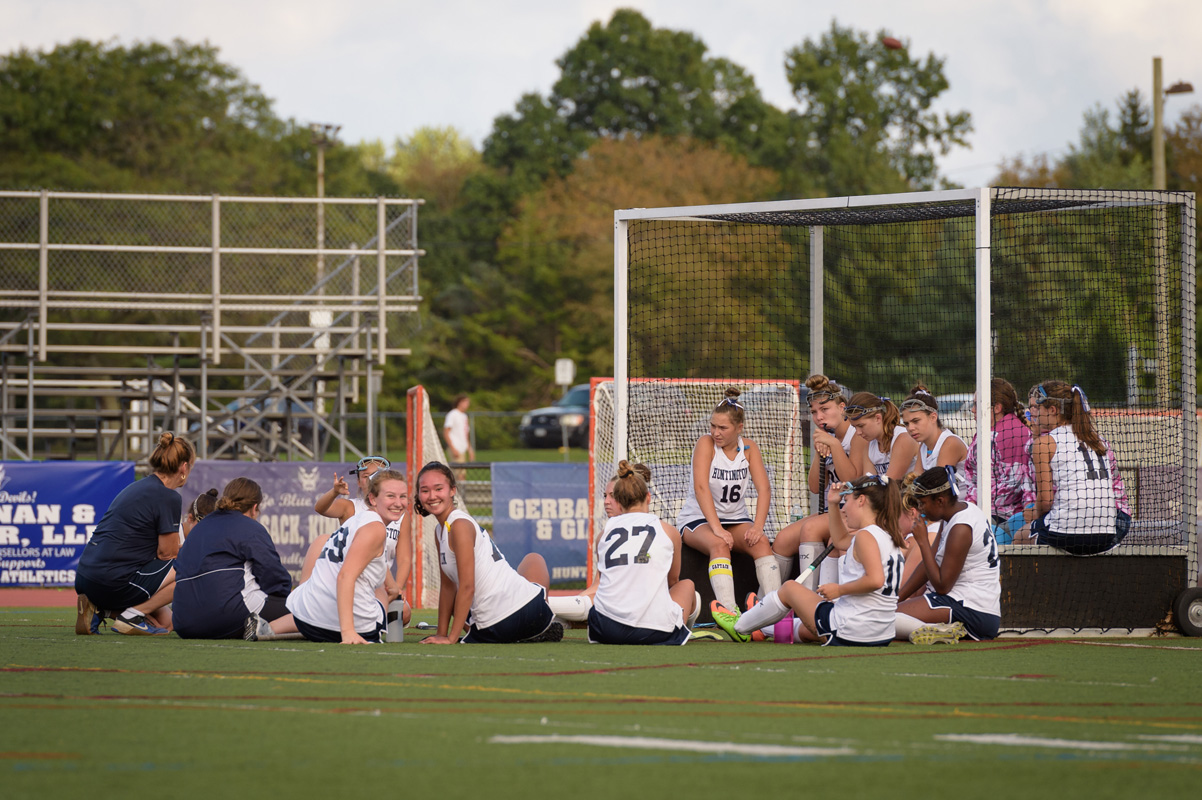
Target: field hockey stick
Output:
[(828, 461)]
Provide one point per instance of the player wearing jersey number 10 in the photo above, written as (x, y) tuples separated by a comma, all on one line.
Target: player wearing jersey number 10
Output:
[(640, 599), (714, 518), (860, 609)]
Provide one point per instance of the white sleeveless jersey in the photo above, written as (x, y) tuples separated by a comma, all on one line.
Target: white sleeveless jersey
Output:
[(634, 556), (500, 590), (316, 600), (930, 458), (869, 617), (831, 476), (729, 479), (394, 532), (878, 461), (979, 586), (1085, 502)]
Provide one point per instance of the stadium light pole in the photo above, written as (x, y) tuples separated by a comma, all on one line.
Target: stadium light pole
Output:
[(323, 136), (1160, 183)]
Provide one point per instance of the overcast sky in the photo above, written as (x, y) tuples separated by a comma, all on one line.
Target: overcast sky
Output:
[(1026, 70)]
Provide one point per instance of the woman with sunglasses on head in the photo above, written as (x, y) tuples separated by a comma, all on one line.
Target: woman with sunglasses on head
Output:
[(860, 609), (714, 518), (961, 575), (937, 446), (831, 444), (1010, 439), (338, 603), (1080, 502), (489, 601), (881, 448)]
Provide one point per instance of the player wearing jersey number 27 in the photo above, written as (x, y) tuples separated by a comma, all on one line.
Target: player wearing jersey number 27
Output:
[(640, 599), (714, 518)]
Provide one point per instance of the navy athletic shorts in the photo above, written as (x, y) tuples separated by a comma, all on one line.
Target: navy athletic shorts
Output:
[(822, 621), (979, 625), (527, 622), (603, 630)]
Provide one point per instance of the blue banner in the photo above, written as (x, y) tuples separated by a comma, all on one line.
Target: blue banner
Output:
[(48, 511), (543, 508), (290, 488)]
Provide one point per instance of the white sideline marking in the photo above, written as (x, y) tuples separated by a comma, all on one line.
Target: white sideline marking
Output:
[(1183, 738), (688, 745), (1142, 646), (1019, 740)]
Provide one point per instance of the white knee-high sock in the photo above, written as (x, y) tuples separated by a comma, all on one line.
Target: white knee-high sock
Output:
[(766, 612), (907, 625), (692, 618), (722, 579), (806, 553), (768, 574), (573, 608), (828, 570), (784, 564)]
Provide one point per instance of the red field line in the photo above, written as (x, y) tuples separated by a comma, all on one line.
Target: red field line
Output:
[(37, 598)]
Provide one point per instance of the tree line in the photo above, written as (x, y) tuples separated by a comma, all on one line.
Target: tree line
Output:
[(519, 233)]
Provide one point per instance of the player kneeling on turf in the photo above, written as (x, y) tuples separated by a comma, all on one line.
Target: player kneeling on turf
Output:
[(962, 576), (860, 609), (483, 594), (640, 598)]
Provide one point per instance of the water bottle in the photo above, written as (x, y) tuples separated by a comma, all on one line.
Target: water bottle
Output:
[(795, 513), (396, 621)]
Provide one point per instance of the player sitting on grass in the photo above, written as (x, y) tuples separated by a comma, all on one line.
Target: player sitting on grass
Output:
[(229, 569), (640, 598), (961, 575), (338, 603), (490, 601), (338, 504), (860, 609), (575, 607)]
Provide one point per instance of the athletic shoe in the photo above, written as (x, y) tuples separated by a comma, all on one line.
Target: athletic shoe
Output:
[(256, 628), (138, 626), (553, 633), (706, 636), (87, 618), (750, 601), (939, 633), (726, 619)]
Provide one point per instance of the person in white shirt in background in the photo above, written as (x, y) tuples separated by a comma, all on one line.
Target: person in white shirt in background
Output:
[(457, 431)]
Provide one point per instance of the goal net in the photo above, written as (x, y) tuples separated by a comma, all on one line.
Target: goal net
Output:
[(666, 418), (948, 289), (422, 446)]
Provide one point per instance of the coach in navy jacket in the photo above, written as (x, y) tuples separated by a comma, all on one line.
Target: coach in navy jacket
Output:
[(228, 568)]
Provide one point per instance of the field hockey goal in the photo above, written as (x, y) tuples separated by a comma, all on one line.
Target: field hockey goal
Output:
[(947, 289), (666, 418), (422, 446)]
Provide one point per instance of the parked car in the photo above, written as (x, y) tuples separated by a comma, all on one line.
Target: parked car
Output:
[(957, 414), (544, 427)]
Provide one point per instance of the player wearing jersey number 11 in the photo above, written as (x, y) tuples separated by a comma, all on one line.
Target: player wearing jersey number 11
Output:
[(1080, 502)]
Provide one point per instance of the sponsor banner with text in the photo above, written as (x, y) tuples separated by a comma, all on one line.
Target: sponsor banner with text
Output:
[(48, 511), (543, 508)]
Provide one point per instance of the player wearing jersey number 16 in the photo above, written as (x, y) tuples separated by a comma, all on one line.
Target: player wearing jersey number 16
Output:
[(714, 518)]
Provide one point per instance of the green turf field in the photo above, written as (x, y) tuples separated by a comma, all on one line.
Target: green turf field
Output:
[(114, 716)]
